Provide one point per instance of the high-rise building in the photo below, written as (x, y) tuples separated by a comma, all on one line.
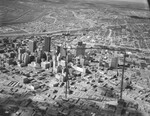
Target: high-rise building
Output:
[(21, 50), (80, 49), (32, 58), (54, 63), (26, 59), (82, 61), (20, 57), (70, 57), (20, 53), (32, 46), (58, 50), (77, 60), (47, 44), (38, 60), (62, 51), (40, 53), (48, 56), (59, 69), (114, 63), (15, 45)]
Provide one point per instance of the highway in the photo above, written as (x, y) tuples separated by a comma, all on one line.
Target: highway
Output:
[(43, 33), (52, 32)]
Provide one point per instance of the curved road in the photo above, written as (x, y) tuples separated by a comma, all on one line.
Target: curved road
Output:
[(89, 21)]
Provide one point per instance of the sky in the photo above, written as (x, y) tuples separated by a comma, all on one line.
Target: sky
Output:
[(139, 1), (136, 1), (143, 2)]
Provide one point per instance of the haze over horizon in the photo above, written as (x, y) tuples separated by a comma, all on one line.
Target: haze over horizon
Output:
[(140, 1), (136, 1)]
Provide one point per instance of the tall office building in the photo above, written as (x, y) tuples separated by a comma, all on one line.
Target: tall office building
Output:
[(80, 49), (21, 51), (32, 58), (26, 59), (47, 44), (58, 50), (54, 63), (82, 61), (37, 60), (49, 56), (62, 51), (114, 63), (32, 46), (40, 54), (70, 57), (20, 57)]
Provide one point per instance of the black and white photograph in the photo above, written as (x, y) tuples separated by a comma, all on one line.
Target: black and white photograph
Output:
[(74, 57)]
